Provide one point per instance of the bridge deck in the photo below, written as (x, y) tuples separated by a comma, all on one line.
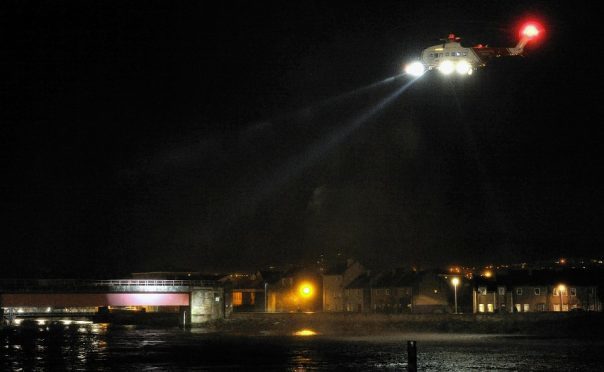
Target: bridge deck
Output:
[(102, 286)]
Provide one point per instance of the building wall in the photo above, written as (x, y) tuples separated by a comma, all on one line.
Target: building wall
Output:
[(333, 293), (391, 300), (245, 299), (355, 300), (333, 286), (530, 299)]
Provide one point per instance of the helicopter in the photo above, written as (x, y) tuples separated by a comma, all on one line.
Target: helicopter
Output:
[(450, 56)]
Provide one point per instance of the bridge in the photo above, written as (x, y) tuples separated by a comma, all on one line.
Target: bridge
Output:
[(198, 300)]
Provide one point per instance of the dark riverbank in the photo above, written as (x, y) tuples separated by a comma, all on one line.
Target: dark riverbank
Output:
[(589, 325)]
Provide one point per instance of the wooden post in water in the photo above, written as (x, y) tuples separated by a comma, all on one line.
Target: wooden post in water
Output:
[(412, 356)]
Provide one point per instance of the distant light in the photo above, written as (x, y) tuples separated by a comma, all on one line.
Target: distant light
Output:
[(48, 309), (463, 68), (19, 310), (455, 281), (488, 274), (446, 67), (415, 69)]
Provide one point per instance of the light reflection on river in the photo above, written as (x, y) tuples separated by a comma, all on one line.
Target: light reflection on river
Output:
[(101, 347)]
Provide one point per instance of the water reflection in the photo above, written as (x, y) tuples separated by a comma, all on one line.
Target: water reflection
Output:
[(305, 332), (104, 347), (41, 344)]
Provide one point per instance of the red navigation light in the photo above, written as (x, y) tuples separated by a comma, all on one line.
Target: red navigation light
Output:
[(531, 30)]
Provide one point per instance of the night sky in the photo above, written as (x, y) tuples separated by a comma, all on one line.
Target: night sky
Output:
[(161, 135)]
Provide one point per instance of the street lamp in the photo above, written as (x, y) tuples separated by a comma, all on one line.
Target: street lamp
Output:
[(455, 282), (561, 288), (306, 290)]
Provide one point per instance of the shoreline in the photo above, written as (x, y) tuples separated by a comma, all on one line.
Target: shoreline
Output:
[(588, 325), (574, 325)]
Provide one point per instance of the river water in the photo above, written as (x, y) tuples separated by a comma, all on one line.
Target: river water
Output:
[(102, 347)]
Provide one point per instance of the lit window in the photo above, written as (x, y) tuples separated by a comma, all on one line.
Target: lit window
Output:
[(537, 291), (526, 308), (252, 298), (481, 308), (519, 291), (490, 308), (237, 298), (482, 290)]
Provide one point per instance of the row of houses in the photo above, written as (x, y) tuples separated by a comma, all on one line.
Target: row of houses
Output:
[(350, 287), (537, 291)]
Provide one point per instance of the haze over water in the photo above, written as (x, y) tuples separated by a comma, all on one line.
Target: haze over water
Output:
[(102, 347)]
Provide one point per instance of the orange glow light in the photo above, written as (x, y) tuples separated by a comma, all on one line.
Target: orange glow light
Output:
[(306, 290)]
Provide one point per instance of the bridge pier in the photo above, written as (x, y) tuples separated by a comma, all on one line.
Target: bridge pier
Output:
[(206, 304)]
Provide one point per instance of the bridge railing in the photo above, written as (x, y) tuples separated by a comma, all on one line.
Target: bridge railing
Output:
[(79, 284)]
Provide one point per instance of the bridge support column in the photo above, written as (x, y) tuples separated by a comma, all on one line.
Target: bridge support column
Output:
[(206, 304), (184, 316)]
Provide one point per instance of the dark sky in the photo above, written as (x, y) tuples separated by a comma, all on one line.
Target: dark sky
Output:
[(160, 135)]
